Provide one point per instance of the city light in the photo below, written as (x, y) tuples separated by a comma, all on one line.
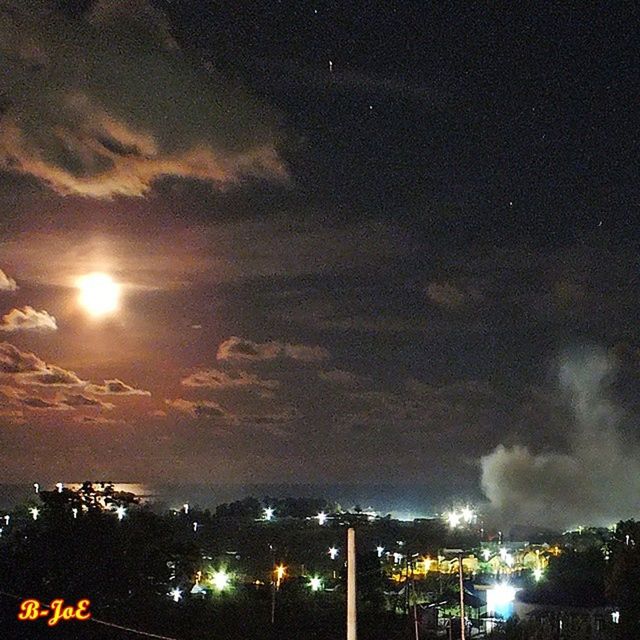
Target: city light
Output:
[(75, 512), (59, 486), (176, 594), (6, 519), (195, 527), (185, 506), (500, 599), (35, 512), (220, 580), (121, 512), (380, 551), (333, 553), (486, 554), (36, 487), (315, 583), (537, 574), (453, 519), (280, 572), (268, 513), (468, 515), (397, 557), (321, 517)]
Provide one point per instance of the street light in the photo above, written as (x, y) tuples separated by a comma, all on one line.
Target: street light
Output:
[(268, 513), (176, 594), (333, 553), (35, 512), (315, 583), (220, 580), (121, 512), (322, 518)]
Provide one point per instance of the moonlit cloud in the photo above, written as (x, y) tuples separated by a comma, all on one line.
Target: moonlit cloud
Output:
[(116, 388), (104, 105), (235, 348), (7, 283), (28, 319), (198, 408), (452, 296), (12, 360)]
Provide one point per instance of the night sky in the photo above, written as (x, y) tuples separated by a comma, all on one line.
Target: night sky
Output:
[(356, 242)]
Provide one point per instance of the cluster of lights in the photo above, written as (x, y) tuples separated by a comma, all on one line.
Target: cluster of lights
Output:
[(465, 515), (322, 518), (267, 513)]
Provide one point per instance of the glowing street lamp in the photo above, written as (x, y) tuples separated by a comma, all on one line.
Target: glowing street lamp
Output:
[(59, 486), (321, 517), (380, 551), (7, 518), (537, 574), (268, 513), (35, 512), (185, 506), (315, 583), (333, 553), (36, 487), (176, 594), (486, 554), (195, 527), (220, 580), (397, 557), (75, 512), (121, 512), (280, 572)]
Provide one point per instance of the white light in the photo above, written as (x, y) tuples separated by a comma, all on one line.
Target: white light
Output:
[(500, 596), (99, 294), (75, 512), (486, 554), (468, 515), (35, 512), (380, 551), (333, 553), (220, 580), (537, 574), (59, 486), (36, 486), (176, 594), (315, 583), (503, 554), (509, 560), (453, 519), (322, 517), (615, 617), (6, 519), (268, 513), (397, 557), (121, 512), (185, 506), (195, 527)]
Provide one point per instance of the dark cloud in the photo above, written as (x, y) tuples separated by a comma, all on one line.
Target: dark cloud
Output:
[(235, 348), (34, 402), (452, 296), (52, 376), (343, 378), (200, 409), (104, 104), (217, 379), (79, 400), (28, 319)]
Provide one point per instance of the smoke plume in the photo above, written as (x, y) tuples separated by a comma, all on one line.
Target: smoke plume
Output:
[(597, 482)]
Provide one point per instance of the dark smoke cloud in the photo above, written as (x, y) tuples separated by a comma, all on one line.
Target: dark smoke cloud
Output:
[(596, 483)]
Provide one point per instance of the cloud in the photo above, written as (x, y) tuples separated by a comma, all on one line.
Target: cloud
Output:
[(451, 296), (342, 378), (235, 348), (217, 379), (28, 319), (199, 408), (79, 400), (105, 104), (7, 283), (34, 402), (12, 360), (596, 482), (51, 376), (116, 388), (96, 420)]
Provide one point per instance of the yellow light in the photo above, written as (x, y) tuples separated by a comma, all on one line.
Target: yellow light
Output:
[(99, 294), (280, 572)]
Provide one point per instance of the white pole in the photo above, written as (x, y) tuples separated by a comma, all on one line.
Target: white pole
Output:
[(351, 585), (462, 626)]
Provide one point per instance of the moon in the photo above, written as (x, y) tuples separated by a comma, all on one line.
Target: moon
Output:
[(99, 294)]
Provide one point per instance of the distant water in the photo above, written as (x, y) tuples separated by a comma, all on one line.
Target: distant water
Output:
[(402, 501)]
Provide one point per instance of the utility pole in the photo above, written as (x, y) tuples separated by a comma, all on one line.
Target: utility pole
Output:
[(462, 625), (351, 585)]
